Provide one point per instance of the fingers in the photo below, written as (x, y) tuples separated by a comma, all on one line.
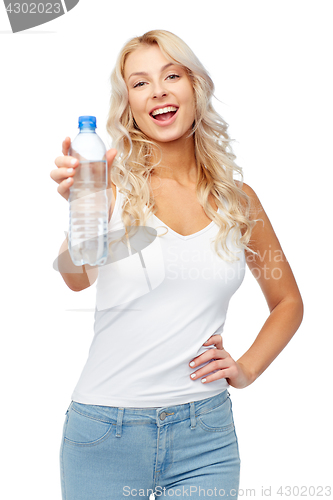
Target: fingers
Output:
[(207, 356), (217, 376), (64, 187), (216, 340), (66, 162), (66, 166), (65, 146), (219, 366), (222, 368), (65, 170)]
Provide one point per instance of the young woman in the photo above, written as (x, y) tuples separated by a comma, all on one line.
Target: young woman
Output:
[(151, 412)]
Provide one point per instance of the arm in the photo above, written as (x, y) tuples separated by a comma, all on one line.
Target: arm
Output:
[(77, 278), (276, 280)]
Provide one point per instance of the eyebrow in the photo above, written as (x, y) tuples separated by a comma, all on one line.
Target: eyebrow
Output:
[(143, 73)]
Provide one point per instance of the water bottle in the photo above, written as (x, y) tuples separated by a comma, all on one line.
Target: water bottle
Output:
[(88, 204)]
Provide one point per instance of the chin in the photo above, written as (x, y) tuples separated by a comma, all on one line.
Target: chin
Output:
[(172, 137)]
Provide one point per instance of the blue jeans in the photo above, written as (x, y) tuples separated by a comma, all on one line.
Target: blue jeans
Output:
[(110, 453)]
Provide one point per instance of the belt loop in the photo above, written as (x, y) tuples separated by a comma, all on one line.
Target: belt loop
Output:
[(192, 413), (119, 421)]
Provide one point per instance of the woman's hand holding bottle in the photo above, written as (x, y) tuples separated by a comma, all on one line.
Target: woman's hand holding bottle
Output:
[(76, 278), (65, 172)]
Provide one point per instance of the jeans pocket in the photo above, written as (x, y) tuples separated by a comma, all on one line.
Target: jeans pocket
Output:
[(84, 428), (218, 419)]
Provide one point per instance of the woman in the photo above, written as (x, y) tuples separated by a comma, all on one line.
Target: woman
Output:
[(151, 414)]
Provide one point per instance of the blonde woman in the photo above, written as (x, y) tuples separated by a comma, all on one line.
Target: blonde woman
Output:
[(151, 414)]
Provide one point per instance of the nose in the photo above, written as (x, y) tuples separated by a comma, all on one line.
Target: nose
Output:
[(159, 91), (159, 94)]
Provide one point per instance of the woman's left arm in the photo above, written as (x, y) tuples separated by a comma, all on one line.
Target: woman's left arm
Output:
[(274, 275)]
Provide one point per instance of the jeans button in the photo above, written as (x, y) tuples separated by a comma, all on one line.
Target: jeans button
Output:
[(163, 415)]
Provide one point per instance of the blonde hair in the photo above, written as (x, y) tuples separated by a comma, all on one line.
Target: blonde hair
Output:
[(214, 156)]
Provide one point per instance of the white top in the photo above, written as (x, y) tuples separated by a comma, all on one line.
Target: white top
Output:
[(151, 321)]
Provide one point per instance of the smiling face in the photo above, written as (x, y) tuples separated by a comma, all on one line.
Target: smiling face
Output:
[(160, 94)]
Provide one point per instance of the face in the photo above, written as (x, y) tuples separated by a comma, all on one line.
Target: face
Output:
[(160, 94)]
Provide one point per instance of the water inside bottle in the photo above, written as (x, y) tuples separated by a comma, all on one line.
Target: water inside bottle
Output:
[(89, 215)]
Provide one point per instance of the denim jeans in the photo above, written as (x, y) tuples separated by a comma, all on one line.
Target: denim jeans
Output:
[(187, 451)]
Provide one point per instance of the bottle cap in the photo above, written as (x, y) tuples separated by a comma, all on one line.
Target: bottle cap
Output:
[(87, 122)]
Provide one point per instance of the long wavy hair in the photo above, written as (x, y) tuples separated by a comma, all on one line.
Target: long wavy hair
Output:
[(132, 167)]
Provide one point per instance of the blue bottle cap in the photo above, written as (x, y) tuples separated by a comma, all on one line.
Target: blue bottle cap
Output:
[(87, 122)]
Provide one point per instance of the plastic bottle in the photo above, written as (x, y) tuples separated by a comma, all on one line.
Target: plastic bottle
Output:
[(88, 205)]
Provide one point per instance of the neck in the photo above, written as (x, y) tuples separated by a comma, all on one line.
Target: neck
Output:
[(177, 162)]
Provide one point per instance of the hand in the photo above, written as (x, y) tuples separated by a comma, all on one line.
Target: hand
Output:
[(63, 176), (234, 372)]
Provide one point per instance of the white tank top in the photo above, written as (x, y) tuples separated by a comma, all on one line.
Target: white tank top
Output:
[(154, 311)]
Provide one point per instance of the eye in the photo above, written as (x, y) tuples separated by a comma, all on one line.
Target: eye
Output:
[(139, 84), (173, 77)]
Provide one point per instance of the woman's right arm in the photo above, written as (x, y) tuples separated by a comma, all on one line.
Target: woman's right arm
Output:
[(77, 278)]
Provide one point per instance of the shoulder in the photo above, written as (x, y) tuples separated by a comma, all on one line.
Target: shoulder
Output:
[(247, 190), (262, 232), (255, 206)]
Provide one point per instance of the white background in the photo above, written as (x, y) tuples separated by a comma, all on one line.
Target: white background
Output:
[(271, 62)]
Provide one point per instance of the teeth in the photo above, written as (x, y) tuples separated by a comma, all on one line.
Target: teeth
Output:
[(160, 111)]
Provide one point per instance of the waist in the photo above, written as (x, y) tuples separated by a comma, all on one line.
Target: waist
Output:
[(154, 415)]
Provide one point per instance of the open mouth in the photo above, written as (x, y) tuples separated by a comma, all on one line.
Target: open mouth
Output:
[(164, 114)]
